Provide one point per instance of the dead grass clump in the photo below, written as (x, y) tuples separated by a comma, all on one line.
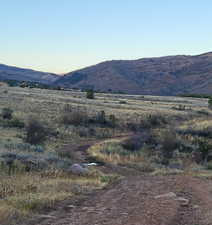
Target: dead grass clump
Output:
[(32, 192), (74, 116), (146, 122), (113, 152), (153, 120)]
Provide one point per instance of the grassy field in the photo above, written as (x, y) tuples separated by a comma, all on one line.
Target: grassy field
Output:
[(178, 125)]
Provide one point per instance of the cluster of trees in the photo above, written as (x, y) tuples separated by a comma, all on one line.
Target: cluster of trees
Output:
[(29, 84), (196, 95)]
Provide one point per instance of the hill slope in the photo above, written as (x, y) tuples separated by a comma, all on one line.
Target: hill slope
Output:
[(15, 73), (169, 75)]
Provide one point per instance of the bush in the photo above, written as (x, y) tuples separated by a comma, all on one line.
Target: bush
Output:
[(210, 103), (122, 102), (15, 122), (133, 144), (154, 120), (115, 148), (147, 122), (209, 166), (112, 121), (101, 118), (90, 94), (7, 113), (36, 132), (73, 116), (169, 144), (204, 148)]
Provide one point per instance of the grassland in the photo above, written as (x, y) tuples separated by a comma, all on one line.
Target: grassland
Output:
[(25, 192)]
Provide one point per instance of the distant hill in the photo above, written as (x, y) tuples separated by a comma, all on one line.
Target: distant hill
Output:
[(171, 75), (15, 73)]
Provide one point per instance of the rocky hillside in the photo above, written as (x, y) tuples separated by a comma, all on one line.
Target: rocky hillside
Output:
[(15, 73), (171, 75)]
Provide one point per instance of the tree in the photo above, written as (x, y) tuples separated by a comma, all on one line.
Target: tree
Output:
[(90, 94), (210, 103)]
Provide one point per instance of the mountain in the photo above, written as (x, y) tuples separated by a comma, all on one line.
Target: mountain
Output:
[(170, 75), (15, 73)]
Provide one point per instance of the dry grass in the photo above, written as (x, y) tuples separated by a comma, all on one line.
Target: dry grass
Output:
[(99, 151), (23, 193)]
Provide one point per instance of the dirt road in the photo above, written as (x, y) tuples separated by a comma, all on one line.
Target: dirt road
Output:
[(132, 201)]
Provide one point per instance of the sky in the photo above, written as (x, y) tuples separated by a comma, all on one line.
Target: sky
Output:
[(64, 35)]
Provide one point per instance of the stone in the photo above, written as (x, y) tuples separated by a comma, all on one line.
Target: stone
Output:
[(168, 195), (77, 169), (47, 217), (196, 207), (183, 201)]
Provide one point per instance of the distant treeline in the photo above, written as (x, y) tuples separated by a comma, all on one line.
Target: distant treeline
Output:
[(196, 95), (29, 84)]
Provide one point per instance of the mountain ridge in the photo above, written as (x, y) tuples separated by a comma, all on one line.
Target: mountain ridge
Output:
[(22, 74), (167, 75)]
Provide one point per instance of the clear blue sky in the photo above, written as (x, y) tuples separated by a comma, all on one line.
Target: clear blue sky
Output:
[(64, 35)]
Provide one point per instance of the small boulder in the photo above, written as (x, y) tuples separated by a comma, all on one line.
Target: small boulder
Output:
[(183, 201), (77, 169), (196, 207), (168, 195)]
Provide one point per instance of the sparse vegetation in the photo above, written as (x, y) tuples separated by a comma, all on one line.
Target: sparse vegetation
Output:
[(37, 153)]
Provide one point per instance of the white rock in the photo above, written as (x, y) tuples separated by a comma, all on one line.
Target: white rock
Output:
[(183, 201), (168, 195)]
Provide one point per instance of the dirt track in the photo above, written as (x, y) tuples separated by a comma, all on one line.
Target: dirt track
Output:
[(131, 201)]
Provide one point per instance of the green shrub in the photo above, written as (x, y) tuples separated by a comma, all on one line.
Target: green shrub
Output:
[(90, 94), (209, 166), (169, 143), (7, 113), (36, 132), (147, 122), (122, 102), (15, 122), (133, 144), (101, 117), (210, 103), (204, 147), (112, 121), (155, 120)]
